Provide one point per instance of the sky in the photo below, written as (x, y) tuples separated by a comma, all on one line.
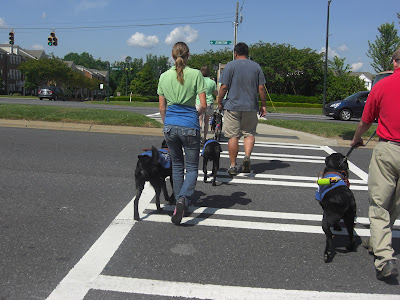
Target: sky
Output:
[(114, 29)]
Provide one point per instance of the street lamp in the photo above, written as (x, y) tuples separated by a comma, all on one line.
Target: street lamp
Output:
[(326, 59)]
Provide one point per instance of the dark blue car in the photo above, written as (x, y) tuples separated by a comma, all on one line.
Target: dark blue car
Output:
[(351, 107)]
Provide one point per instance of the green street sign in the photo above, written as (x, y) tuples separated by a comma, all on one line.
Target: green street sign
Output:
[(116, 69), (220, 42)]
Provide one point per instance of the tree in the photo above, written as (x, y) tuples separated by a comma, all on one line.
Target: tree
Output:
[(145, 82), (340, 87), (289, 70), (158, 64), (210, 58), (338, 66), (44, 72), (87, 60), (382, 49)]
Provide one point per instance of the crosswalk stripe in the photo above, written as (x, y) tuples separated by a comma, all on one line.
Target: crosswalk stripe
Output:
[(211, 291), (255, 225), (256, 214)]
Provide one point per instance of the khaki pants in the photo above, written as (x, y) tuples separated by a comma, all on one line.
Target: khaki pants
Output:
[(384, 195)]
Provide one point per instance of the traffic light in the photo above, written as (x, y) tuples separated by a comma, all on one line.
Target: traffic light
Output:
[(52, 39), (11, 38)]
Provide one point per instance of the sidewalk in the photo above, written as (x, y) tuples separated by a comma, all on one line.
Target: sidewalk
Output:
[(266, 133)]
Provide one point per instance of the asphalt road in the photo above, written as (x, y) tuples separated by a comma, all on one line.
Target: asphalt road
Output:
[(153, 111), (67, 229)]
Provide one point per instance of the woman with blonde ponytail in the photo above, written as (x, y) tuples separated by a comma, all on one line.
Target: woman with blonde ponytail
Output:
[(177, 90)]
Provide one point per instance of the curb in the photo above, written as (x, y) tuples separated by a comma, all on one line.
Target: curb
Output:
[(268, 133), (81, 127)]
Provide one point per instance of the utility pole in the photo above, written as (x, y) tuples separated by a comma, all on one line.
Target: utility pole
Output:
[(326, 59), (236, 23), (108, 82)]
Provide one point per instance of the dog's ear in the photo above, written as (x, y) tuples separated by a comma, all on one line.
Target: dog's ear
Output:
[(164, 144), (155, 156)]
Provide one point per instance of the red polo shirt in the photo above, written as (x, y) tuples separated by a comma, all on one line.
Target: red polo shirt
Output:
[(384, 102)]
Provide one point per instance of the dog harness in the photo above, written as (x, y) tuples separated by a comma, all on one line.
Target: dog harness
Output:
[(206, 143), (323, 189), (165, 158)]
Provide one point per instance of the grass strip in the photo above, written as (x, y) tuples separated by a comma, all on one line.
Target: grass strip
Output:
[(125, 103), (325, 129), (75, 115)]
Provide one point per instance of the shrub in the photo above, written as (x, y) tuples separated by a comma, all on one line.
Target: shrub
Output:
[(294, 98), (290, 104), (135, 98)]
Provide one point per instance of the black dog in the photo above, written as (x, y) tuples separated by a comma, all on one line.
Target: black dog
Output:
[(211, 152), (337, 201), (150, 168), (216, 125)]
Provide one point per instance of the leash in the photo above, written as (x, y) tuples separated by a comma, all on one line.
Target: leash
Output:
[(354, 147)]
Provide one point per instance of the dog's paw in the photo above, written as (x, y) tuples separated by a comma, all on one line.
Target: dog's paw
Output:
[(160, 210), (136, 217), (328, 257), (214, 183), (352, 246)]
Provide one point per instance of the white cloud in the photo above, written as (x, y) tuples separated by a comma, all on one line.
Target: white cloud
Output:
[(343, 48), (331, 52), (37, 47), (90, 4), (356, 66), (182, 34), (44, 15), (2, 23), (141, 40)]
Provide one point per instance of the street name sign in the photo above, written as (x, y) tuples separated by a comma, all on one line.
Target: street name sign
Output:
[(220, 42)]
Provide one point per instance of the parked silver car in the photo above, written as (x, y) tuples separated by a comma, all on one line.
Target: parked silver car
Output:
[(51, 93)]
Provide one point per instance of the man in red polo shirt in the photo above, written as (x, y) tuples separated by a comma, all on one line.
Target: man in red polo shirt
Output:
[(383, 182)]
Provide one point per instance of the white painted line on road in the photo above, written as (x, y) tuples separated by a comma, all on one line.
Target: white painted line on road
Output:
[(256, 214), (276, 182), (256, 225), (154, 115), (286, 155), (283, 177), (280, 158), (211, 291), (282, 145), (77, 282)]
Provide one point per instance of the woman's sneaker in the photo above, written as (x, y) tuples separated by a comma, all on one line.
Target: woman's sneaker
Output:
[(179, 211), (246, 165)]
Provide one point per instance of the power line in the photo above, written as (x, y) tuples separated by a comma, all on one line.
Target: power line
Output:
[(115, 26)]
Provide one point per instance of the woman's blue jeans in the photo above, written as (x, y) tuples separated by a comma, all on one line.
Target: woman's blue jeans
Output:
[(184, 147)]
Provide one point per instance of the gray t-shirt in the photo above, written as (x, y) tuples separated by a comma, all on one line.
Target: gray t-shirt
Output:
[(243, 77)]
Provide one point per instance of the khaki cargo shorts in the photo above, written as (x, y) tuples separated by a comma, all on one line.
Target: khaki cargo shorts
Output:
[(240, 123), (209, 110)]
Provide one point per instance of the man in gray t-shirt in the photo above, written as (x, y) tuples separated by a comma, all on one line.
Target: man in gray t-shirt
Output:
[(242, 80)]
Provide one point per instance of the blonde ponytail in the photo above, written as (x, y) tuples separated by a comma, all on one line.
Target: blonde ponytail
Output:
[(179, 52)]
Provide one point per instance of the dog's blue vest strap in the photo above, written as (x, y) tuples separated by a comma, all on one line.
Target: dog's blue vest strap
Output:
[(165, 158), (323, 189), (206, 143)]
